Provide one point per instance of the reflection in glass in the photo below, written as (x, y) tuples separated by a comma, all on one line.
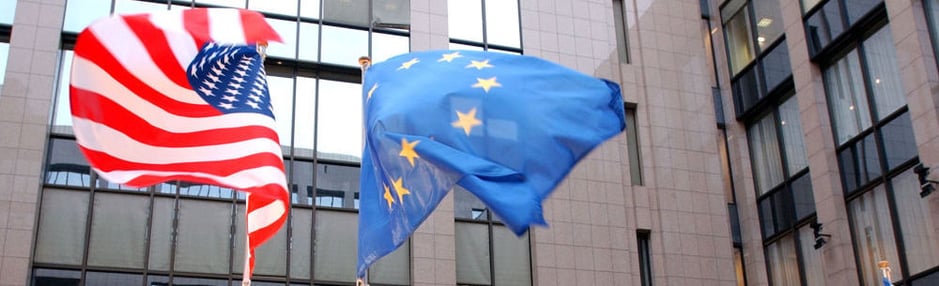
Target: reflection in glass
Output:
[(808, 4), (511, 257), (391, 13), (846, 97), (304, 117), (281, 91), (336, 185), (103, 278), (776, 66), (915, 216), (472, 254), (873, 235), (792, 136), (301, 221), (203, 228), (823, 26), (764, 150), (118, 231), (309, 41), (899, 143), (782, 204), (62, 118), (385, 46), (282, 7), (859, 163), (782, 262), (134, 7), (340, 104), (766, 217), (346, 12), (335, 246), (67, 166), (769, 24), (301, 182), (858, 8), (161, 233), (502, 24), (80, 13), (204, 190), (4, 52), (343, 46), (746, 89), (468, 206), (884, 76), (288, 32), (9, 8), (737, 30), (932, 15), (61, 235), (310, 9), (465, 20), (803, 197)]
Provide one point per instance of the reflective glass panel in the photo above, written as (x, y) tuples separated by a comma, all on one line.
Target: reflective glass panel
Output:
[(769, 24), (112, 279), (310, 9), (391, 13), (916, 215), (803, 197), (180, 281), (737, 31), (468, 206), (899, 143), (385, 46), (335, 246), (346, 12), (858, 8), (511, 257), (309, 41), (301, 182), (281, 91), (884, 76), (343, 46), (202, 235), (118, 230), (472, 254), (271, 257), (340, 104), (161, 233), (847, 99), (465, 20), (282, 7), (336, 185), (301, 242), (859, 163), (80, 13), (791, 128), (61, 235), (304, 117), (502, 25), (823, 26), (288, 32), (134, 7), (62, 117), (9, 8), (776, 66), (67, 166), (808, 4), (782, 262), (747, 90), (873, 235), (393, 268), (764, 150)]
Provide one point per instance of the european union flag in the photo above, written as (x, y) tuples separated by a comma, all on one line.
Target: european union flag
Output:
[(507, 128)]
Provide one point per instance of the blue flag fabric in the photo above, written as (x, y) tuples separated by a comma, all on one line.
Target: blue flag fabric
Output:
[(887, 282), (507, 128)]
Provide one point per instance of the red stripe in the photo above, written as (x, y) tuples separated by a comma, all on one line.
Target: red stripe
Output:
[(107, 163), (104, 111), (196, 22), (256, 29), (91, 49), (157, 46)]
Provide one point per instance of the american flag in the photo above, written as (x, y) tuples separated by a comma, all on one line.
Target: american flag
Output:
[(181, 95)]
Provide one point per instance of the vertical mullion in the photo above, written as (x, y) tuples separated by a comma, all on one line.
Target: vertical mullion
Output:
[(175, 232), (485, 37), (149, 235)]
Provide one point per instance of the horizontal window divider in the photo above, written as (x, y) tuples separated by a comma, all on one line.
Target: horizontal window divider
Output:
[(841, 45)]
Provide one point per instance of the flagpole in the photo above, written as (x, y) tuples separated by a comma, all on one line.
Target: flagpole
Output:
[(885, 270), (364, 62), (246, 272)]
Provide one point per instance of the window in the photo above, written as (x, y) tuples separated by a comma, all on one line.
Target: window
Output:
[(632, 144), (873, 235), (645, 257), (622, 30), (782, 262), (487, 253), (833, 18), (932, 17), (6, 18), (484, 24)]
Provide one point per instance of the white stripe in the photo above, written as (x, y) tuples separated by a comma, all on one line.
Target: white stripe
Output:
[(265, 215), (99, 137), (225, 26), (182, 44), (121, 42), (245, 179), (91, 77)]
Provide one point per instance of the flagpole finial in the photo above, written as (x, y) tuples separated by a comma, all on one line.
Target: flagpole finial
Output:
[(262, 50), (365, 62), (360, 281)]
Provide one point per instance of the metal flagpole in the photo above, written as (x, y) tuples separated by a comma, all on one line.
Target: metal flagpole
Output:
[(364, 62), (246, 272)]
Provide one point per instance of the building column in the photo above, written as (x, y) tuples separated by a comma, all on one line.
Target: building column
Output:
[(838, 254), (24, 118)]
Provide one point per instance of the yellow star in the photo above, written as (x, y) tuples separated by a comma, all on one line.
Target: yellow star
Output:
[(449, 57), (399, 188), (407, 150), (479, 65), (467, 121), (371, 91), (388, 196), (408, 64), (486, 84)]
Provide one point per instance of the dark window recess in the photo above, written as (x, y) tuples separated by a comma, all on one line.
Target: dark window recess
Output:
[(899, 143), (859, 163), (776, 66), (718, 105), (747, 91), (776, 212), (734, 224), (803, 197), (929, 280), (645, 257)]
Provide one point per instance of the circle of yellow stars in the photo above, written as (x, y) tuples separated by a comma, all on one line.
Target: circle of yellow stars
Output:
[(466, 120)]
